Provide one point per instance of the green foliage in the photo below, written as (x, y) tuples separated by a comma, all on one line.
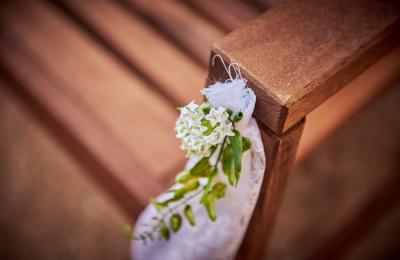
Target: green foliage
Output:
[(188, 212), (246, 144), (232, 157), (210, 197), (164, 231), (209, 203), (228, 164), (183, 177), (189, 186), (230, 154), (178, 194), (208, 186), (175, 222), (219, 189), (202, 168), (237, 145), (158, 205)]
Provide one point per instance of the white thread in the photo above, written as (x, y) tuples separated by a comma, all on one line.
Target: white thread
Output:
[(233, 65)]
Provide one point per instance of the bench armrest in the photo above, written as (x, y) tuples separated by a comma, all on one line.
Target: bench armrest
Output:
[(299, 53)]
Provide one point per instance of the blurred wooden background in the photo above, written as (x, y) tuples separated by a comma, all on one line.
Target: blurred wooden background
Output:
[(88, 92)]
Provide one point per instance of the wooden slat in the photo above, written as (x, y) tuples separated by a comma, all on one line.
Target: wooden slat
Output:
[(228, 14), (280, 151), (334, 184), (383, 240), (175, 73), (46, 194), (267, 3), (324, 120), (114, 117), (299, 53), (363, 223), (192, 32)]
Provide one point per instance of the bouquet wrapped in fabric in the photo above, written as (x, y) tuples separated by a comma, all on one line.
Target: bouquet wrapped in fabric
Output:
[(206, 213)]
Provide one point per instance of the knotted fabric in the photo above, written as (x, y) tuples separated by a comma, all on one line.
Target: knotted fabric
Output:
[(220, 239)]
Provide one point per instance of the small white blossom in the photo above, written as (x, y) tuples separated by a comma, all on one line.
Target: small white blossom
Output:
[(213, 138), (225, 130), (200, 132), (217, 115)]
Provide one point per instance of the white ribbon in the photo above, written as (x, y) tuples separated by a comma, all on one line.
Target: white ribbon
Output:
[(220, 239)]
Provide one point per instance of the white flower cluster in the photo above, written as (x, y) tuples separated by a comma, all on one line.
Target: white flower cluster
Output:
[(201, 129)]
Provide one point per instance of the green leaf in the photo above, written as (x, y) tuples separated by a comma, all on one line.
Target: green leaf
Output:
[(180, 193), (183, 177), (237, 145), (202, 168), (164, 232), (209, 204), (188, 212), (219, 189), (246, 144), (158, 205), (191, 185), (175, 222), (208, 186), (232, 158), (228, 164)]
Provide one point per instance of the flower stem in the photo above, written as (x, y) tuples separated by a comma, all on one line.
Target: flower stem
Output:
[(220, 152), (164, 215)]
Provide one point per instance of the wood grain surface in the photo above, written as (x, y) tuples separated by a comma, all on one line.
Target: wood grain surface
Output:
[(107, 111), (328, 189), (299, 53), (192, 31), (173, 72), (227, 14), (280, 152), (49, 207), (344, 105), (106, 77)]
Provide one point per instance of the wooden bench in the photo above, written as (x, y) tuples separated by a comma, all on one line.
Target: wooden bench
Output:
[(296, 56), (105, 76)]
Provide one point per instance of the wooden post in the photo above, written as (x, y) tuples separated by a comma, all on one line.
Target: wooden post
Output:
[(280, 151)]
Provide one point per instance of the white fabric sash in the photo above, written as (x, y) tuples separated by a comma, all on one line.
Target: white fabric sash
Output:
[(222, 238)]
